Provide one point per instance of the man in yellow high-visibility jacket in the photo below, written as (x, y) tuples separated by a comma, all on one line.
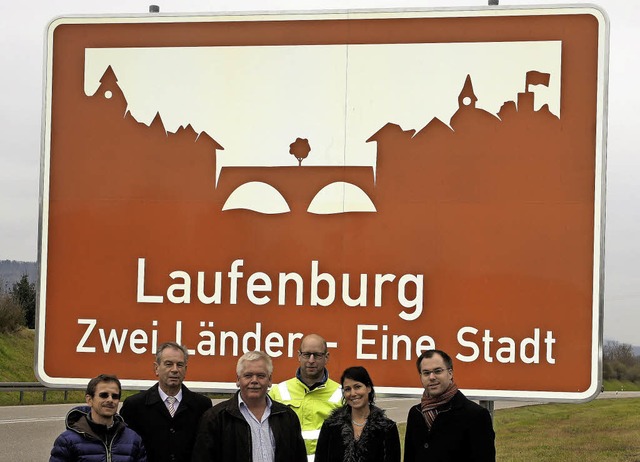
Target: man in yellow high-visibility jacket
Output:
[(311, 393)]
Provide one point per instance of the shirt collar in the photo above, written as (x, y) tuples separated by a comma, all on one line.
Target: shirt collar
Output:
[(242, 403), (164, 396)]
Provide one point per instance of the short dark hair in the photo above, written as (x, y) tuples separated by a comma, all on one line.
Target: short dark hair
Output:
[(359, 374), (175, 345), (429, 354), (93, 383)]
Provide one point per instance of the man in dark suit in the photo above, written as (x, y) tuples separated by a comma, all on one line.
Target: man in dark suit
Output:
[(446, 426), (166, 415)]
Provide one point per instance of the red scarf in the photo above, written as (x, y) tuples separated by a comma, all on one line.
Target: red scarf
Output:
[(429, 405)]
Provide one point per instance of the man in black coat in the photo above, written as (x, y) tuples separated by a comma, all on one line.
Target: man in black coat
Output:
[(166, 415), (250, 426), (446, 426)]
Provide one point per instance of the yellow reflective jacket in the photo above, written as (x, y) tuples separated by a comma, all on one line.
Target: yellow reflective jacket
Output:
[(311, 406)]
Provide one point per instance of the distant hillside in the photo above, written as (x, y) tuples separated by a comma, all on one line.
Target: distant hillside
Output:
[(11, 271)]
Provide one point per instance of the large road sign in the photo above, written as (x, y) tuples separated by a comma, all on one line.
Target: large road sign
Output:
[(394, 181)]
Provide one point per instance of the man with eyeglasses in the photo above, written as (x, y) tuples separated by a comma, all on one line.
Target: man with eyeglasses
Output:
[(167, 414), (96, 431), (311, 393), (446, 426), (250, 427)]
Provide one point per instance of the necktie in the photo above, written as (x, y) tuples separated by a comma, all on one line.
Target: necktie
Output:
[(170, 405)]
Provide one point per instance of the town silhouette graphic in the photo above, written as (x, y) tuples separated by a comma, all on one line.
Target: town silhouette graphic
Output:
[(517, 154)]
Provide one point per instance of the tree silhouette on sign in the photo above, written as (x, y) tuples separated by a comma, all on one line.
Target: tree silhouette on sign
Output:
[(300, 149)]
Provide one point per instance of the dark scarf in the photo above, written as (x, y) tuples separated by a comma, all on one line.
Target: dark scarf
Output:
[(429, 405), (356, 450)]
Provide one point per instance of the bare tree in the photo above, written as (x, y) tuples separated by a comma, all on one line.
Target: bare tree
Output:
[(620, 362)]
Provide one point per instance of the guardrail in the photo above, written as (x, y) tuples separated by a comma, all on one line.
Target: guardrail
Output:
[(23, 387)]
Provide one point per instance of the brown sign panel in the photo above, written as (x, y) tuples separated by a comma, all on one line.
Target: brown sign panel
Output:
[(393, 181)]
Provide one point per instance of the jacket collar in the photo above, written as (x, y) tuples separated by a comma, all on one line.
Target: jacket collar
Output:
[(342, 416), (456, 402), (233, 408), (318, 384), (357, 450), (77, 420), (154, 396)]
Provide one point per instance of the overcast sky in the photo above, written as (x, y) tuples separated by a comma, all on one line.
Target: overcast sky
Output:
[(22, 27)]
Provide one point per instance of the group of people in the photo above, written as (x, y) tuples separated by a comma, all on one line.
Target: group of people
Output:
[(309, 417)]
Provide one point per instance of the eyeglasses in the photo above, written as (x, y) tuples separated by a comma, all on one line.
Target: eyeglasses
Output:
[(436, 371), (308, 354), (105, 395)]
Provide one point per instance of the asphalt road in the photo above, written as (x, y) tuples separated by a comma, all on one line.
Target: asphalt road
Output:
[(27, 432)]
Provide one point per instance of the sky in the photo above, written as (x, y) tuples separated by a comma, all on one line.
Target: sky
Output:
[(22, 35)]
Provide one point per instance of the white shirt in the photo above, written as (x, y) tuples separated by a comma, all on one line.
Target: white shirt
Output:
[(263, 444), (164, 396)]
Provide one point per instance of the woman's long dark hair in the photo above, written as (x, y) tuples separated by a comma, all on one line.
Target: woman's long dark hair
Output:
[(359, 374)]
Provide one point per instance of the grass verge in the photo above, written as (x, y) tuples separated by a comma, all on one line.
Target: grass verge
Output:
[(620, 385), (16, 356), (603, 430)]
